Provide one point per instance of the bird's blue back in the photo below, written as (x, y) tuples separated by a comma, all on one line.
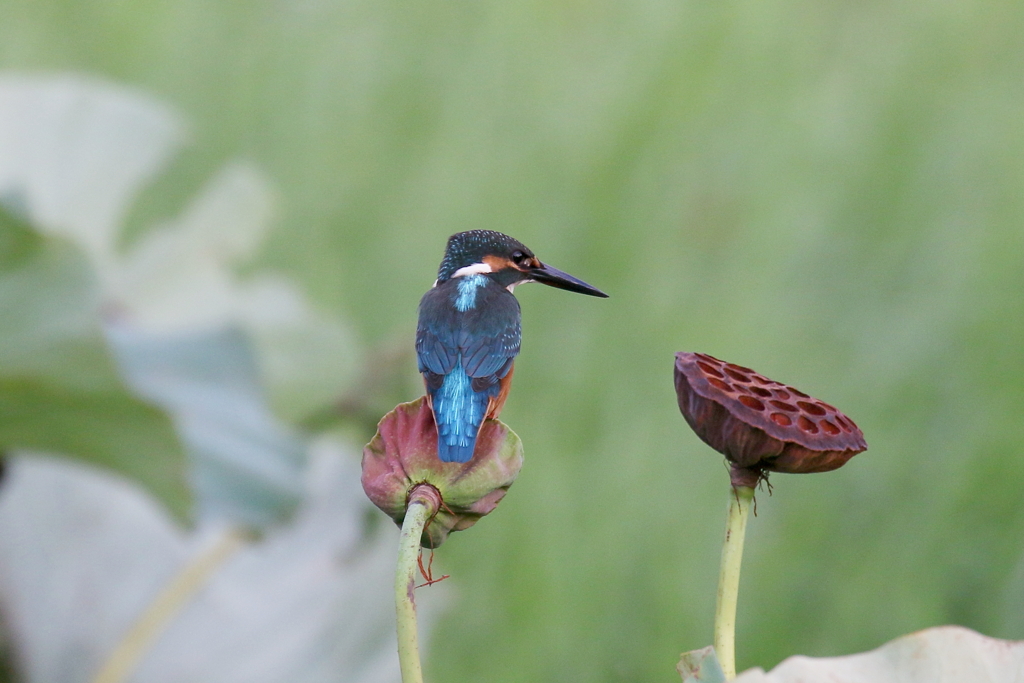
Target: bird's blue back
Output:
[(467, 338)]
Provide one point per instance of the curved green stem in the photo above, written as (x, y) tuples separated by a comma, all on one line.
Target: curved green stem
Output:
[(729, 578), (424, 502)]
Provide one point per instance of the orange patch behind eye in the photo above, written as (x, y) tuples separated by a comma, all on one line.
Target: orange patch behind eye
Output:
[(501, 263), (498, 263)]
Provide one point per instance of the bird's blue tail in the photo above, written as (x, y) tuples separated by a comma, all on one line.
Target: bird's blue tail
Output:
[(458, 411)]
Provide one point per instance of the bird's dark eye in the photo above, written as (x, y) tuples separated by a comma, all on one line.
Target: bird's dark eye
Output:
[(518, 256)]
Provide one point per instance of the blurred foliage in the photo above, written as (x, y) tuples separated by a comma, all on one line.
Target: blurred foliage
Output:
[(96, 582), (828, 193), (83, 556), (59, 389)]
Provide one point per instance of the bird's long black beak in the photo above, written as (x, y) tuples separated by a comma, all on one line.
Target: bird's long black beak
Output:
[(556, 278)]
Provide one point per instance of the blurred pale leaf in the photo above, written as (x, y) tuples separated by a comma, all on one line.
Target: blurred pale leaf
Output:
[(307, 357), (83, 553), (59, 389), (247, 465), (75, 150), (312, 602), (66, 161), (80, 553), (946, 654), (180, 276)]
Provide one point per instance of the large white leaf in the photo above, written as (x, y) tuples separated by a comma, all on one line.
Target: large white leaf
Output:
[(82, 554), (310, 603), (946, 654), (75, 150)]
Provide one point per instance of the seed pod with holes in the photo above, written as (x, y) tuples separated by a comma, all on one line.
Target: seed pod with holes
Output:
[(403, 455), (760, 424)]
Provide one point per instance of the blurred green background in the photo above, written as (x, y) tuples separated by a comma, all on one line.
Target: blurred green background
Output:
[(830, 193)]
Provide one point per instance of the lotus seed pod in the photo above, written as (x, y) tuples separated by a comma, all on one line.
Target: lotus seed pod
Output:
[(760, 424), (403, 455)]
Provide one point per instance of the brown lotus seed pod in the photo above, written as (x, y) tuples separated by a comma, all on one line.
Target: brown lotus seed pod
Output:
[(760, 424)]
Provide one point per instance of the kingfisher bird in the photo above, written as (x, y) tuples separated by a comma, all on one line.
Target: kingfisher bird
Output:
[(469, 332)]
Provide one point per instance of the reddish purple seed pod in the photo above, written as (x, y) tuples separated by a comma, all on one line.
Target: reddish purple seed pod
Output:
[(760, 424), (403, 455)]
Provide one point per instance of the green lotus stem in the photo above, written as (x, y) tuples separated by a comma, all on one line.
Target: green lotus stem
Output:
[(729, 578), (165, 606), (424, 502)]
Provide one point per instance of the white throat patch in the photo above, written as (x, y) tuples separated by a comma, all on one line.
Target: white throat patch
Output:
[(475, 269), (513, 286)]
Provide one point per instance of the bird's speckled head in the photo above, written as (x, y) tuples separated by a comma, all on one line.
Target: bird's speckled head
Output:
[(466, 249)]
